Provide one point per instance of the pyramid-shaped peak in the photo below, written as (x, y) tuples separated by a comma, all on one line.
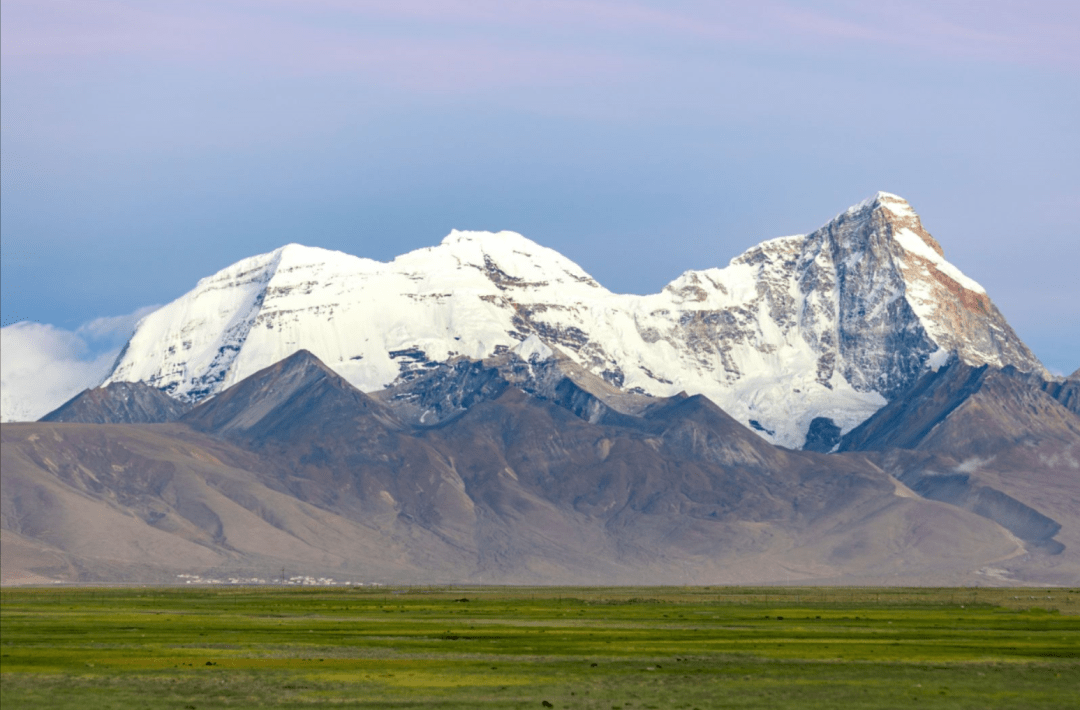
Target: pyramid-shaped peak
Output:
[(262, 267), (302, 359), (297, 370), (895, 204), (882, 196), (889, 218), (898, 206), (533, 349), (294, 248), (292, 391)]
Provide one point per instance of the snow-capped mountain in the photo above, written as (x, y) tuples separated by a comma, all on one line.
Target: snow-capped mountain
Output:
[(829, 325)]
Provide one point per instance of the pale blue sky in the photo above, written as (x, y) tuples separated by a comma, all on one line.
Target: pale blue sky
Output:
[(147, 144)]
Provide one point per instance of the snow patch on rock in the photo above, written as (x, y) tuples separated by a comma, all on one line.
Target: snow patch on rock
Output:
[(914, 244), (532, 349), (938, 359)]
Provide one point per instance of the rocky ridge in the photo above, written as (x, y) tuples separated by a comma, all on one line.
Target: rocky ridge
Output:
[(119, 403)]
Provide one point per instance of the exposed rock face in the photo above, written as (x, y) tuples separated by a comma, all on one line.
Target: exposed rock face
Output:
[(998, 442), (823, 435), (119, 403), (449, 389), (881, 300), (297, 393), (1067, 392), (969, 411), (829, 325)]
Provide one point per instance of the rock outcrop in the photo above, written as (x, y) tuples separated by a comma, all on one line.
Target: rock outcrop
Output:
[(119, 403)]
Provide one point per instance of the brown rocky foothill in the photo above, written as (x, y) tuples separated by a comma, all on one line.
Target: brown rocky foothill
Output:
[(293, 466)]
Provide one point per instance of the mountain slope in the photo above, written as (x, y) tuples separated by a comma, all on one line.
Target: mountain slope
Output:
[(971, 411), (282, 401), (114, 503), (295, 467), (448, 389), (998, 442), (329, 444), (826, 326), (1065, 391)]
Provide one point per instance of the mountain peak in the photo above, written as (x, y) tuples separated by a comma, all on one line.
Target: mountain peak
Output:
[(508, 258), (296, 248), (301, 366), (469, 243), (893, 210), (902, 224), (880, 246), (891, 201), (282, 397), (483, 236), (881, 201), (299, 256), (303, 360)]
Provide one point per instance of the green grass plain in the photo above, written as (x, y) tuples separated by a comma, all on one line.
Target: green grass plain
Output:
[(510, 647)]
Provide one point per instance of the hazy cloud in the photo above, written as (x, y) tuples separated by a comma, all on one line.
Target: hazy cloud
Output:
[(44, 366), (111, 332)]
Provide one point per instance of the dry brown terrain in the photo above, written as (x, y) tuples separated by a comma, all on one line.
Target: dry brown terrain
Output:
[(294, 468)]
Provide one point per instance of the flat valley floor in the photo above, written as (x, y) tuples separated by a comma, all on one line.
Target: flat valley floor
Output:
[(511, 647)]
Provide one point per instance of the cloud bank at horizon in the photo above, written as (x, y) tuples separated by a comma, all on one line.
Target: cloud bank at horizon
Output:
[(44, 366)]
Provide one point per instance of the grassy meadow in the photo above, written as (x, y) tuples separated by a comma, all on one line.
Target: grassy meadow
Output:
[(499, 647)]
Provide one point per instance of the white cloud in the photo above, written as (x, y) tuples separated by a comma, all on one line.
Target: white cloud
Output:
[(112, 331), (43, 366)]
